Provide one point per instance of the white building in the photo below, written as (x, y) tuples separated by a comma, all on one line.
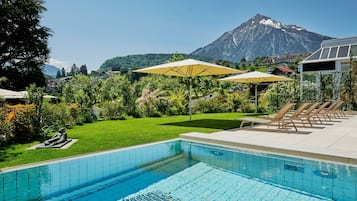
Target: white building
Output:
[(326, 71)]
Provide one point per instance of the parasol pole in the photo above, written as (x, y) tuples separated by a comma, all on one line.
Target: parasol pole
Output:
[(189, 97), (256, 98)]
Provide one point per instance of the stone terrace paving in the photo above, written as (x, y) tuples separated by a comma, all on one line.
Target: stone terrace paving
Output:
[(333, 141)]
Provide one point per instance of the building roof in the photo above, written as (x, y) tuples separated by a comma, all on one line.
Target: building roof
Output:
[(8, 94), (285, 69), (334, 49)]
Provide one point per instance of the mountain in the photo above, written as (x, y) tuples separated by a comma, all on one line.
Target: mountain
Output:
[(261, 36), (142, 60), (50, 70)]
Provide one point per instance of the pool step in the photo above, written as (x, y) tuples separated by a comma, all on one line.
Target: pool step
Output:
[(156, 195), (122, 177)]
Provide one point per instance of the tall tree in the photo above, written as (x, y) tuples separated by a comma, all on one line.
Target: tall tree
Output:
[(23, 43), (63, 72), (74, 70), (83, 69), (58, 75)]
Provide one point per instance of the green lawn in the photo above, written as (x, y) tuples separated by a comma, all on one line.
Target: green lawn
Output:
[(106, 135)]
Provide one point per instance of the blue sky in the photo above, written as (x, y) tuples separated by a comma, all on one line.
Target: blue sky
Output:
[(92, 31)]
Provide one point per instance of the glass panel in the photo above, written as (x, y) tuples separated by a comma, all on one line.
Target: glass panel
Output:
[(354, 50), (315, 56), (333, 52), (343, 52), (325, 53)]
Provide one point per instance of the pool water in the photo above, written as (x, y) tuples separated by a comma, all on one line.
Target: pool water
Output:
[(204, 182), (181, 170)]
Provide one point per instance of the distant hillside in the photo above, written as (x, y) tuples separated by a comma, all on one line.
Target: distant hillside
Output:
[(143, 60)]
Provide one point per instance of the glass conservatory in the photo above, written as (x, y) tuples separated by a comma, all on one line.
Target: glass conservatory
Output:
[(327, 74)]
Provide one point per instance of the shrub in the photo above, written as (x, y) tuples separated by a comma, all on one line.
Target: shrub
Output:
[(246, 106), (87, 116), (55, 116), (112, 110), (212, 105), (35, 97), (178, 103), (74, 112), (150, 102), (23, 130), (6, 127), (236, 99)]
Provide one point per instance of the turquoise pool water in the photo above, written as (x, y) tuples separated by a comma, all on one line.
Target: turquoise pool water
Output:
[(181, 170)]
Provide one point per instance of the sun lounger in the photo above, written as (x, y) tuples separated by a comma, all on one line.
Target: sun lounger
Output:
[(297, 115), (315, 113), (336, 110), (327, 113), (277, 119)]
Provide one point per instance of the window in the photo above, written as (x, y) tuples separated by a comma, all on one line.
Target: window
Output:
[(343, 51), (315, 56), (333, 53), (354, 50), (325, 53), (320, 66)]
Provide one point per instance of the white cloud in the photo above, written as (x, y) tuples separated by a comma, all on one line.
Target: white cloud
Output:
[(58, 63)]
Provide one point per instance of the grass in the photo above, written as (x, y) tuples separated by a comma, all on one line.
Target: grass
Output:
[(107, 135)]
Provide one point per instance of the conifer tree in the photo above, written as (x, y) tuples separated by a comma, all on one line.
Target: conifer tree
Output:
[(23, 43)]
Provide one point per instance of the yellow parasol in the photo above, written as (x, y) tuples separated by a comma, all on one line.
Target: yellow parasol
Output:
[(189, 68), (256, 78)]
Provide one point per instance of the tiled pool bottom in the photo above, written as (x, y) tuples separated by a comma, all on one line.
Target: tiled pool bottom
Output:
[(204, 182)]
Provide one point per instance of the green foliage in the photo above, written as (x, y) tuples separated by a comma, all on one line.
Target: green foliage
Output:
[(119, 88), (109, 135), (264, 104), (112, 110), (135, 61), (83, 90), (260, 68), (144, 60), (2, 80), (6, 127), (150, 101), (55, 116), (35, 96), (83, 69), (178, 103), (211, 105), (278, 94), (23, 129), (74, 70), (63, 72), (177, 57), (23, 40), (75, 114), (247, 106), (237, 100)]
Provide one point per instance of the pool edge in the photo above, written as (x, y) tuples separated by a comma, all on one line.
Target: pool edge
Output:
[(269, 149)]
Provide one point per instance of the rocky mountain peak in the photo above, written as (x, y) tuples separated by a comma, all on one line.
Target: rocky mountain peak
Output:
[(261, 36)]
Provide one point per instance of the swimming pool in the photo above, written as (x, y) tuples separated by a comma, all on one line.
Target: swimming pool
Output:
[(181, 170)]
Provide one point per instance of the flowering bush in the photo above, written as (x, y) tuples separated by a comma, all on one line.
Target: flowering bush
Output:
[(6, 127), (20, 116)]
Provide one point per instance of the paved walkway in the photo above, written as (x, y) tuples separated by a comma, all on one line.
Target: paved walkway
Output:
[(336, 141)]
